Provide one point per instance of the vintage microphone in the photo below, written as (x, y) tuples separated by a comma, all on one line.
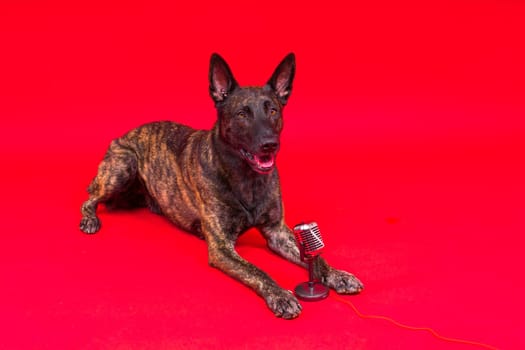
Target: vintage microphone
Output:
[(310, 244)]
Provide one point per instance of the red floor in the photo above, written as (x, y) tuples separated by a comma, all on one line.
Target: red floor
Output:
[(404, 140)]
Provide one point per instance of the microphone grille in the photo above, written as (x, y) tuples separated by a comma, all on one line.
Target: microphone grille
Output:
[(310, 237)]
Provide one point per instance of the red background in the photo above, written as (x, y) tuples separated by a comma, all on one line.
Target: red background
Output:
[(404, 140)]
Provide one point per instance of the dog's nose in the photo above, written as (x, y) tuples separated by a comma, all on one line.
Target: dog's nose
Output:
[(269, 147)]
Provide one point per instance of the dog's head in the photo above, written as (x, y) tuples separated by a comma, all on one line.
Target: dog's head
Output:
[(250, 118)]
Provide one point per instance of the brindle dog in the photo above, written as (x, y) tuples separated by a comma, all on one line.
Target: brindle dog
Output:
[(216, 183)]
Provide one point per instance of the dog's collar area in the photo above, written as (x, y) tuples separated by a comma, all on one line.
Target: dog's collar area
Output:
[(263, 163)]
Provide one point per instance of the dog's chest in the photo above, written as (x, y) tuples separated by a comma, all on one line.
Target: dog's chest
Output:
[(252, 204)]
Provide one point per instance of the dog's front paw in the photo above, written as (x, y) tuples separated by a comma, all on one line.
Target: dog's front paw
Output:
[(284, 304), (343, 282), (89, 224)]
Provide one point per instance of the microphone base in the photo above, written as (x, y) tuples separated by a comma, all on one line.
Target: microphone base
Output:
[(311, 291)]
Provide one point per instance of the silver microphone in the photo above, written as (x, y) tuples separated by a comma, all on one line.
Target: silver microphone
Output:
[(309, 238), (310, 244)]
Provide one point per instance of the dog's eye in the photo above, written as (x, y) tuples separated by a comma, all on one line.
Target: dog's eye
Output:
[(273, 112), (241, 114)]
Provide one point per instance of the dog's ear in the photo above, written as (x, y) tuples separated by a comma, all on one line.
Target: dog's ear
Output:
[(282, 78), (222, 82)]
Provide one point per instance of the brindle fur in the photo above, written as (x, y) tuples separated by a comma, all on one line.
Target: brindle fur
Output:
[(201, 182)]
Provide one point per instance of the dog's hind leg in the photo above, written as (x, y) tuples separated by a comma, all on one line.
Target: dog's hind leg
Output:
[(115, 174)]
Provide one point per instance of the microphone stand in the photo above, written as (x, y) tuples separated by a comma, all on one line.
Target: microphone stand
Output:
[(311, 290)]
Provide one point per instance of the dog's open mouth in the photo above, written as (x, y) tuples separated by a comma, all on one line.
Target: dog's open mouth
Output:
[(261, 163)]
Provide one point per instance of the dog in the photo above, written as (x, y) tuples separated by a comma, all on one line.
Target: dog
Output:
[(216, 183)]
